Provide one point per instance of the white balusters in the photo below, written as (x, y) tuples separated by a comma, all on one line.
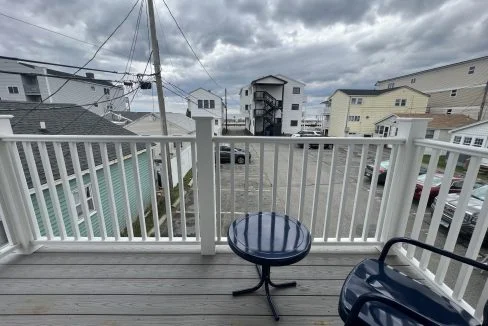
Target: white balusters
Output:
[(110, 191), (232, 182), (167, 190), (275, 176), (290, 177), (345, 183), (181, 187), (355, 211), (218, 193), (303, 184), (137, 181), (330, 193), (261, 177), (195, 190), (372, 191), (316, 192), (125, 191)]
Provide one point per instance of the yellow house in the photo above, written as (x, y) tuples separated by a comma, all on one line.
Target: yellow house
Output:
[(354, 111)]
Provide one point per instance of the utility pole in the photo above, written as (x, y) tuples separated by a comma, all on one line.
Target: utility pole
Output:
[(226, 121), (482, 106), (159, 85)]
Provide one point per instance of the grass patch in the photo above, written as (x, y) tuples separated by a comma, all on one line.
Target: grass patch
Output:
[(174, 195), (441, 166)]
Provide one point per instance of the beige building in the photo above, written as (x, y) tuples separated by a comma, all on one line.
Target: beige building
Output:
[(354, 111), (458, 88)]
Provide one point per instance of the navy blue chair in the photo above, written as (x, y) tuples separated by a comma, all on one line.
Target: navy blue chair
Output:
[(376, 294)]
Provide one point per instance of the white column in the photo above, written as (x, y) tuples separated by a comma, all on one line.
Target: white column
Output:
[(15, 214), (405, 175), (206, 179)]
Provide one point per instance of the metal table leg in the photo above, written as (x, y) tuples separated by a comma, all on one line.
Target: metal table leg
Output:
[(265, 278)]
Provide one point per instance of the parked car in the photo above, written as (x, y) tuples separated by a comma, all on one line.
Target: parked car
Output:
[(239, 155), (368, 171), (472, 211), (456, 186), (310, 133)]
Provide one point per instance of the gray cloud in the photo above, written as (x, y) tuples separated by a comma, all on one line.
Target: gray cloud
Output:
[(325, 43)]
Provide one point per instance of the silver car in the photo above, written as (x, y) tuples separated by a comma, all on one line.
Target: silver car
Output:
[(472, 211)]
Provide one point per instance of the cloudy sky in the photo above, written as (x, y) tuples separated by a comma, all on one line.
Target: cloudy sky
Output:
[(327, 44)]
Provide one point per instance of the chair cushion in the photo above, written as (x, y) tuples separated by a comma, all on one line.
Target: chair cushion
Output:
[(374, 277)]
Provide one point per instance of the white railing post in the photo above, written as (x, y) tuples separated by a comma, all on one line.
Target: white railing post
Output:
[(12, 197), (405, 175), (206, 180)]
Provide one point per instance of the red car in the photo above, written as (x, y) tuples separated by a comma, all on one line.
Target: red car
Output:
[(456, 186)]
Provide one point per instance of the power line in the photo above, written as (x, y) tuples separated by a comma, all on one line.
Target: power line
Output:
[(191, 48), (53, 31), (134, 39), (77, 78), (90, 60)]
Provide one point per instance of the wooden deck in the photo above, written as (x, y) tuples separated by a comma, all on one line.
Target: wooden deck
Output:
[(63, 288)]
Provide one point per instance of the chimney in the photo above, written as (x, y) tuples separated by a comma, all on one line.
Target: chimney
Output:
[(90, 75)]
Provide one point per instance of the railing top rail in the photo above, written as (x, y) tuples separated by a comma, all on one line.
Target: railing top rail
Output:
[(97, 138), (458, 148), (310, 140)]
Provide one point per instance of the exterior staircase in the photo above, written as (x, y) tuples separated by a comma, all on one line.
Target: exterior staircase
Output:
[(271, 125)]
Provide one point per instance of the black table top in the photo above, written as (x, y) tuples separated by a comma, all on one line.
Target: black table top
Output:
[(269, 239)]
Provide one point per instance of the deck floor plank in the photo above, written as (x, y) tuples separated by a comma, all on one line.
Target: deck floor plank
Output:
[(100, 288)]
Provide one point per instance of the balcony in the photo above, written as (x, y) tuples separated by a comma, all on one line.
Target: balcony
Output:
[(126, 253)]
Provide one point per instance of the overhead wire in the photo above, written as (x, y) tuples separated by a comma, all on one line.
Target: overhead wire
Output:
[(90, 60), (189, 45), (53, 31)]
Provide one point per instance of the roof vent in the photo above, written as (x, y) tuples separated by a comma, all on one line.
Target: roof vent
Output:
[(43, 125), (90, 75)]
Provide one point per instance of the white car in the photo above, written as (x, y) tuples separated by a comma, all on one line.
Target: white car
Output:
[(307, 133)]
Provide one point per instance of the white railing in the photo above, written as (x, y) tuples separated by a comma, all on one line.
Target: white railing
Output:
[(323, 188), (460, 282), (67, 187)]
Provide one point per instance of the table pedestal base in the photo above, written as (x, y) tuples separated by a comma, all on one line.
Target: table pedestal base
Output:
[(264, 278)]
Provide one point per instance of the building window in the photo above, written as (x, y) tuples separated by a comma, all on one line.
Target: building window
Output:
[(478, 142), (430, 134), (106, 91), (391, 85), (246, 107), (200, 104), (216, 122), (246, 92), (454, 92), (354, 118), (413, 80), (212, 104), (357, 100), (467, 140), (295, 107), (205, 104), (293, 123), (449, 111), (457, 140), (92, 88), (89, 202), (13, 90), (296, 90), (401, 102), (471, 70)]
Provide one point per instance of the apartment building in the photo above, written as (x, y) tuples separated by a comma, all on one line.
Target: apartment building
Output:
[(272, 105), (25, 82), (458, 88), (355, 111), (202, 99)]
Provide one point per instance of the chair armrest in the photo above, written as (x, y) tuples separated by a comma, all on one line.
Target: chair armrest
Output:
[(352, 319), (422, 245)]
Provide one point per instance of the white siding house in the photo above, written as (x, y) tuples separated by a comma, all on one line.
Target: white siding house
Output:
[(29, 83), (273, 105), (457, 88), (201, 99), (475, 134)]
